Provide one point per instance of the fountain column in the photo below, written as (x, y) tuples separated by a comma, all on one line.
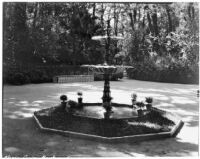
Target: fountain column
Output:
[(106, 93), (107, 55)]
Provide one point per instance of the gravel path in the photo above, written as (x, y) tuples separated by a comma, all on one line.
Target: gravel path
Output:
[(21, 136)]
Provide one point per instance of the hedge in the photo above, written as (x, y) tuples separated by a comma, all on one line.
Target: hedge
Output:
[(174, 73), (18, 75)]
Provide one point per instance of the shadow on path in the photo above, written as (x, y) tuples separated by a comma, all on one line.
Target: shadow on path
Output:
[(21, 136)]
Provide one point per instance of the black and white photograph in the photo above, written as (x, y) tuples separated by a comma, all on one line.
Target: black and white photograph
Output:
[(100, 79)]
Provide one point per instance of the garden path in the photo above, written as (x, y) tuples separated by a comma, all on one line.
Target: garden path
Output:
[(21, 136)]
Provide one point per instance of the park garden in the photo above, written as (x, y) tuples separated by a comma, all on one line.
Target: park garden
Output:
[(146, 53), (42, 40)]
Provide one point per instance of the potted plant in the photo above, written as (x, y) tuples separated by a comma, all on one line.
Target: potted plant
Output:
[(149, 101), (133, 98), (140, 105), (80, 99), (63, 98), (71, 106)]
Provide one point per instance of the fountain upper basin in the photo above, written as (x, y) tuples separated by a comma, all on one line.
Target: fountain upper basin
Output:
[(107, 69)]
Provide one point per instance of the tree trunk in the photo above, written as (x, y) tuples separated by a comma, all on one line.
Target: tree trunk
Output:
[(191, 11), (155, 25), (21, 38), (149, 22), (170, 29), (132, 23), (107, 56), (36, 7), (116, 20), (94, 9), (102, 19), (139, 15), (135, 14)]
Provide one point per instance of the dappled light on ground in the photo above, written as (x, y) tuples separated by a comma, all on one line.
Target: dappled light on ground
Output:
[(21, 136), (11, 149)]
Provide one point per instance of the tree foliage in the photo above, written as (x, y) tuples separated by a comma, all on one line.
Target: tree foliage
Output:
[(161, 34)]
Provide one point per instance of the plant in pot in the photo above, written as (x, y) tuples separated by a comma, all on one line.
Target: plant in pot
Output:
[(149, 101), (80, 99), (63, 98), (71, 106), (140, 105), (133, 98)]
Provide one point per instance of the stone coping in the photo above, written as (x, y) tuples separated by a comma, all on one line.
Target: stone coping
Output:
[(73, 78), (132, 138)]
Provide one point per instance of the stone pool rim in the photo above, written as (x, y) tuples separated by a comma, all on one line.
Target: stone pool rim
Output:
[(131, 138)]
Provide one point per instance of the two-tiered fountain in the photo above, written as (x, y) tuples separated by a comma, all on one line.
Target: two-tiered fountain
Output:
[(106, 69), (107, 121)]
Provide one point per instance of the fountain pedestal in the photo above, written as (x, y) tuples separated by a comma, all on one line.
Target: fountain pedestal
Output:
[(106, 93), (107, 71)]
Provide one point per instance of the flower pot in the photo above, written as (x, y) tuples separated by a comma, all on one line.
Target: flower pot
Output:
[(140, 112), (67, 107), (148, 106), (133, 102), (63, 105), (80, 100)]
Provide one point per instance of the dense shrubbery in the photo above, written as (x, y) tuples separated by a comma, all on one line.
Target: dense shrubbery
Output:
[(174, 73), (166, 57), (18, 78), (43, 74), (24, 77), (166, 54), (37, 74)]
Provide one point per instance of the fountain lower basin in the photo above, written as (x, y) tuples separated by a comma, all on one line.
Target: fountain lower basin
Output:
[(88, 123)]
